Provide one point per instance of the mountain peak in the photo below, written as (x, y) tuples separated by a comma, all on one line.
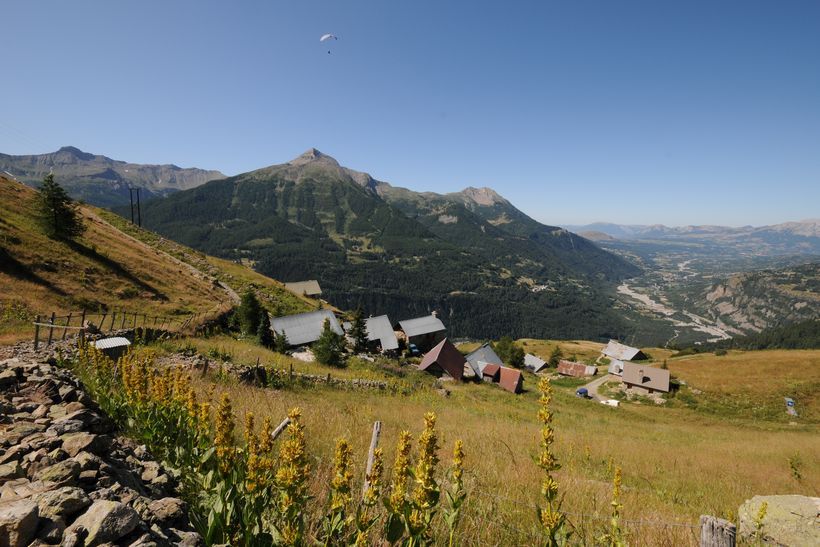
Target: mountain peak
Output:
[(75, 152), (313, 155), (483, 196)]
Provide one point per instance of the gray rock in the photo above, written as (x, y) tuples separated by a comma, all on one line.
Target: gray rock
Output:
[(168, 509), (63, 502), (106, 521), (18, 522), (63, 473), (51, 529), (63, 426), (12, 454), (88, 461), (74, 443), (150, 471), (19, 432), (11, 470), (7, 378), (789, 520)]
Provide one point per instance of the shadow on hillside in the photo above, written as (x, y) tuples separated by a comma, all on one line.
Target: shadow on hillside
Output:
[(115, 267), (11, 266)]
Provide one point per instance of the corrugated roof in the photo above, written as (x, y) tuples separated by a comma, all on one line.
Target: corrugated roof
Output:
[(446, 357), (309, 287), (491, 370), (304, 328), (113, 342), (533, 362), (379, 328), (616, 350), (578, 370), (484, 354), (510, 379), (645, 376), (421, 325)]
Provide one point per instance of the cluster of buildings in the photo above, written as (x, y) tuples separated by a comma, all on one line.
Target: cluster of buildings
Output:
[(427, 335)]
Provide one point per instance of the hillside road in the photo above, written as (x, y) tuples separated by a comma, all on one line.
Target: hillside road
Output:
[(593, 386)]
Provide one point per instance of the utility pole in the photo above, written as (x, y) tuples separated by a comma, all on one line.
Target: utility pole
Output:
[(139, 211), (131, 197)]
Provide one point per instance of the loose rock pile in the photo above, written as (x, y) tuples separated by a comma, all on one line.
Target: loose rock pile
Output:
[(66, 479)]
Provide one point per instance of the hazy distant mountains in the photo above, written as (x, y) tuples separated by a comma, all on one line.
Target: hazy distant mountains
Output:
[(101, 181), (485, 266), (787, 238)]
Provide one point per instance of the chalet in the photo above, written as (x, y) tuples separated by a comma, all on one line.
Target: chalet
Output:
[(645, 379), (481, 358), (491, 372), (425, 332), (444, 359), (304, 288), (511, 379), (380, 335), (576, 370), (534, 363), (305, 328), (615, 350)]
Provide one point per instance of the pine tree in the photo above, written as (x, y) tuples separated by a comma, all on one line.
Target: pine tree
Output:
[(263, 332), (280, 342), (248, 312), (329, 348), (58, 214), (358, 331), (555, 356), (509, 352)]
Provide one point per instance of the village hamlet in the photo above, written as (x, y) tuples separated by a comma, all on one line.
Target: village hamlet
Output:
[(422, 333)]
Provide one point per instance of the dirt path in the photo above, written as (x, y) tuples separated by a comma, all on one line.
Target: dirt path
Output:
[(592, 387)]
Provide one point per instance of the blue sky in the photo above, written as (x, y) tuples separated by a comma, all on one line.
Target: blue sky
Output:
[(577, 111)]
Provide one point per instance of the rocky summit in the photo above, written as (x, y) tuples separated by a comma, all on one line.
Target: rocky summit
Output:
[(66, 478)]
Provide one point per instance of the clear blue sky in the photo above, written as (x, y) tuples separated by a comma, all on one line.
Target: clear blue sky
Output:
[(675, 112)]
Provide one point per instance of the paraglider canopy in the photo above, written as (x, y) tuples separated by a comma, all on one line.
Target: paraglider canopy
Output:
[(326, 37)]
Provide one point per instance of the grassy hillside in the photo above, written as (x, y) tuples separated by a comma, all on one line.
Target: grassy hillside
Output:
[(678, 461), (106, 269)]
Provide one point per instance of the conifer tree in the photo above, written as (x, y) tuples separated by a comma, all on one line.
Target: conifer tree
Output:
[(358, 331), (555, 356), (509, 352), (248, 312), (280, 342), (329, 348), (263, 332), (58, 214)]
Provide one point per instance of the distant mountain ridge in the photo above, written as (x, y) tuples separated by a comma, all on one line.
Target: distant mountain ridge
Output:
[(100, 180), (485, 266), (786, 238)]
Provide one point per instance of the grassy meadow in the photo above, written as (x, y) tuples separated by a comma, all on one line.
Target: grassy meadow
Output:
[(678, 460)]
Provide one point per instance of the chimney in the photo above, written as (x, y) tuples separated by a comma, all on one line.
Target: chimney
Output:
[(434, 313)]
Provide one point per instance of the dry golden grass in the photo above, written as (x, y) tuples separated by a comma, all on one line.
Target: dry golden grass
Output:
[(105, 268), (678, 463)]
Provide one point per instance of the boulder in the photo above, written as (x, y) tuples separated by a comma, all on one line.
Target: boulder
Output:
[(789, 520), (11, 470), (18, 522), (168, 509), (63, 473), (106, 521), (74, 443), (63, 502)]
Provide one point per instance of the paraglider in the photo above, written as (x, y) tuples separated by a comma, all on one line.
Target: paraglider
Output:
[(326, 37)]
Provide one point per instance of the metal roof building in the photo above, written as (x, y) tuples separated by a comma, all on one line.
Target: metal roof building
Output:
[(577, 370), (534, 363), (511, 379), (421, 325), (309, 287), (379, 329), (305, 328), (481, 358), (113, 347), (616, 367), (646, 378), (615, 350), (444, 358)]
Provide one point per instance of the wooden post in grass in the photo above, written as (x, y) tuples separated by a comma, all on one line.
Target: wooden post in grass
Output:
[(279, 429), (50, 329), (102, 322), (124, 317), (374, 443), (715, 532), (67, 324), (37, 332), (82, 318), (113, 317), (290, 376)]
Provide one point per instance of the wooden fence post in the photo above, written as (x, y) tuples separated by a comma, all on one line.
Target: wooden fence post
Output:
[(374, 442), (37, 332), (124, 317), (102, 321), (67, 324), (50, 329), (82, 319), (715, 532), (279, 429), (113, 317)]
